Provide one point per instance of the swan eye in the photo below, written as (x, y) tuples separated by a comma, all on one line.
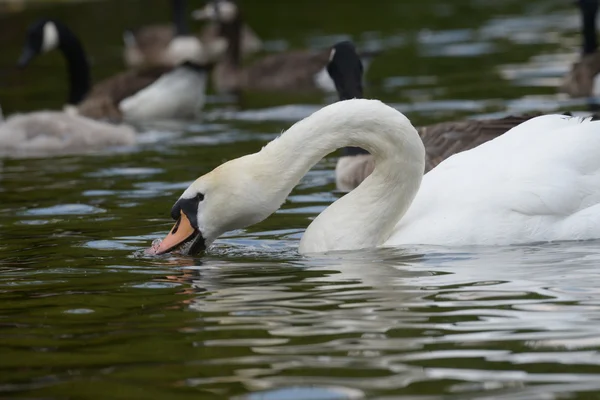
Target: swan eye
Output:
[(200, 197)]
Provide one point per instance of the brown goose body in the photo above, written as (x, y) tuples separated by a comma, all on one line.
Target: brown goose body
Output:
[(579, 81), (441, 141), (102, 102), (293, 70)]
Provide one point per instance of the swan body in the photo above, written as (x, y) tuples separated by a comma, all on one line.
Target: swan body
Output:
[(441, 140), (538, 182), (44, 133)]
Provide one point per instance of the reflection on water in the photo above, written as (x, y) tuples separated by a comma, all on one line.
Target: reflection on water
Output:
[(84, 313)]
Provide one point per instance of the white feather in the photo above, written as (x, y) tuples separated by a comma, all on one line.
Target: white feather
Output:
[(50, 40), (540, 181)]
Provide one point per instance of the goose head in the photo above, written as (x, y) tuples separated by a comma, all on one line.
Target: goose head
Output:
[(226, 11), (346, 70), (42, 36), (237, 194)]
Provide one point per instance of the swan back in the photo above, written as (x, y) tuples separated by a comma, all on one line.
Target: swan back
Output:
[(529, 184)]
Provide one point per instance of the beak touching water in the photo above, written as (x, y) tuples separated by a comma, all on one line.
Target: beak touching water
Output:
[(182, 233)]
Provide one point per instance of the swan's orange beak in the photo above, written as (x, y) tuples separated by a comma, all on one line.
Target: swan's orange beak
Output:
[(180, 234)]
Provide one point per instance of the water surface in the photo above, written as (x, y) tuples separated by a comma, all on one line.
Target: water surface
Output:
[(84, 314)]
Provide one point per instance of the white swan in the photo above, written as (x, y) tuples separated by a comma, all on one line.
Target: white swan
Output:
[(540, 181)]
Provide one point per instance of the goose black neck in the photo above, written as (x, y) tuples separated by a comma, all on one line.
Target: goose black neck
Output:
[(178, 8), (232, 31), (589, 10), (347, 77), (77, 64), (350, 90)]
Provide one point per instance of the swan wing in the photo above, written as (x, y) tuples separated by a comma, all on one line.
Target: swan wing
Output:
[(539, 181), (447, 138)]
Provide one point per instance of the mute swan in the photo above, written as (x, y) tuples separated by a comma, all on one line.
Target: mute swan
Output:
[(538, 182), (44, 133), (581, 79), (170, 45), (295, 70), (153, 93), (441, 140)]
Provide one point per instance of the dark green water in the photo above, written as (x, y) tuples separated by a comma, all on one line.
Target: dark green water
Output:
[(84, 314)]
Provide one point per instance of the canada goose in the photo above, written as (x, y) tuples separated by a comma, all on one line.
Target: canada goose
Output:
[(538, 182), (44, 133), (295, 70), (151, 93), (581, 79), (441, 140), (170, 45)]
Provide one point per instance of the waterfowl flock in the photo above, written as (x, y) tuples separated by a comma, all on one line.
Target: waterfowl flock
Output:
[(514, 179)]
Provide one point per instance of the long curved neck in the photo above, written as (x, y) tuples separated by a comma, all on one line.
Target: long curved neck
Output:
[(77, 64), (352, 92), (589, 10), (366, 216)]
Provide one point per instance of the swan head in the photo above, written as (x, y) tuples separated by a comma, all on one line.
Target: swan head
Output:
[(217, 11), (234, 195), (42, 36)]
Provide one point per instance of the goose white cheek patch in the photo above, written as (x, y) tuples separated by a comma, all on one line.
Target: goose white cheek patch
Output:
[(50, 40)]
